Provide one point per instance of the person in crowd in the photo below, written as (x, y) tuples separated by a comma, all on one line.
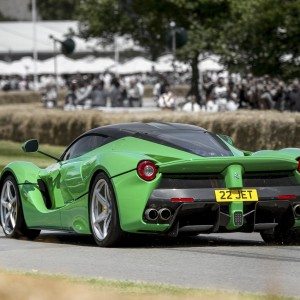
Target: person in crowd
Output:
[(141, 88), (191, 104), (99, 94), (156, 91), (83, 93), (70, 99), (243, 95), (167, 99), (5, 84), (220, 94), (50, 95), (280, 96), (134, 94), (115, 94), (293, 97), (265, 99)]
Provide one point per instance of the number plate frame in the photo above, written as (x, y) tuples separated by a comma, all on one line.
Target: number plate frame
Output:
[(226, 195)]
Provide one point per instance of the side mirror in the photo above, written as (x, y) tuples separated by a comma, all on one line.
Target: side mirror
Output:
[(227, 139), (30, 146)]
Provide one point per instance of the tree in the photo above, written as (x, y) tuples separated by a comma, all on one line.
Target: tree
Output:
[(263, 37), (148, 23), (57, 10), (205, 21)]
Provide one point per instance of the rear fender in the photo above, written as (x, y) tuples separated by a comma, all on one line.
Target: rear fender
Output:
[(292, 152), (24, 172)]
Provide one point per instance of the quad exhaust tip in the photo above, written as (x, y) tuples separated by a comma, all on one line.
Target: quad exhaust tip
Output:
[(297, 210), (164, 214), (151, 214)]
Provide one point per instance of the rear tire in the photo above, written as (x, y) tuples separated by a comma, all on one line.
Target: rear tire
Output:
[(103, 213), (11, 212)]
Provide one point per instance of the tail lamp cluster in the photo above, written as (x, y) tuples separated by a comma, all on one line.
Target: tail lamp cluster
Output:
[(147, 170)]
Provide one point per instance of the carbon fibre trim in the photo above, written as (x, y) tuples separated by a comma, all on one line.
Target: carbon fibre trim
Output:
[(207, 194), (208, 180)]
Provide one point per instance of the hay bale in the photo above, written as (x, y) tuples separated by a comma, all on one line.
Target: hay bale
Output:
[(250, 130)]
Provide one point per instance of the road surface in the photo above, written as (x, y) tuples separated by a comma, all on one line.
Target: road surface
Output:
[(229, 261)]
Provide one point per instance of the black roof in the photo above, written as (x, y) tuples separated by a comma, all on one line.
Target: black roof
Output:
[(129, 129), (163, 133)]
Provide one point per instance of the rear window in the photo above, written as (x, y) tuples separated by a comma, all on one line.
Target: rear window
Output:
[(198, 142)]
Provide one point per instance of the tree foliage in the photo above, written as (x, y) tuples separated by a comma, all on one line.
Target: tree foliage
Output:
[(148, 23), (258, 36), (263, 37), (57, 9)]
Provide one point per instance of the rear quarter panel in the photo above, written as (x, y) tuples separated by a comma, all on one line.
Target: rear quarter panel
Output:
[(35, 212)]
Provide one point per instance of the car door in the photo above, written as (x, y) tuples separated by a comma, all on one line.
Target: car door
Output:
[(73, 178)]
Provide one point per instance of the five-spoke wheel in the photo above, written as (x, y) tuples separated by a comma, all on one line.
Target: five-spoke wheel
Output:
[(11, 214), (104, 219), (9, 207)]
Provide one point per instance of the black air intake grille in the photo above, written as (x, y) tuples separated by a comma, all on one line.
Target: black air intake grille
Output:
[(269, 179), (188, 181)]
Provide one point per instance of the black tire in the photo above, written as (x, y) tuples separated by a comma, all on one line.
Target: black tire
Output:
[(114, 232), (20, 228), (280, 237)]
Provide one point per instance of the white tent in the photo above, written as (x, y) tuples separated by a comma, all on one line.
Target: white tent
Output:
[(134, 66), (4, 68), (65, 65), (91, 64), (20, 67), (166, 63), (210, 64)]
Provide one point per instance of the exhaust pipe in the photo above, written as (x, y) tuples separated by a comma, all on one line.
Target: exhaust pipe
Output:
[(164, 214), (151, 214), (297, 210)]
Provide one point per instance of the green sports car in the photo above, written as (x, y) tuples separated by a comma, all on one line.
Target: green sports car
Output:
[(160, 178)]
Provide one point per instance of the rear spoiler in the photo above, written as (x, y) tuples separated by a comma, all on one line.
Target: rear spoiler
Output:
[(219, 164)]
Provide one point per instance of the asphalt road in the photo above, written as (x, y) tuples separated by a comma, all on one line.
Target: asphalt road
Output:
[(228, 261)]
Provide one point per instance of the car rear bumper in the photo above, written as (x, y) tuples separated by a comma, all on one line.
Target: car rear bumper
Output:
[(205, 214)]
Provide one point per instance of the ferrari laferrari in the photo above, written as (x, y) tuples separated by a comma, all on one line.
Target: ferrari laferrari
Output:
[(153, 178)]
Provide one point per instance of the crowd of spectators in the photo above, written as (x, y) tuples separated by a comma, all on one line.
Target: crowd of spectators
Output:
[(94, 91), (16, 83), (250, 92), (218, 92)]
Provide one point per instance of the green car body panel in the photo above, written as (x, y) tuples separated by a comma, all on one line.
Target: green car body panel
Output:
[(69, 181)]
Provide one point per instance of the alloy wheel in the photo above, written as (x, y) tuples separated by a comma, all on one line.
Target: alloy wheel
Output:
[(9, 208), (101, 209)]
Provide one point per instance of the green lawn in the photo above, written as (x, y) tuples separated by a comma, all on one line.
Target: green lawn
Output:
[(11, 151), (29, 286)]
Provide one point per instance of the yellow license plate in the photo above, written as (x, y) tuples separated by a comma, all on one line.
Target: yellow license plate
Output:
[(236, 195)]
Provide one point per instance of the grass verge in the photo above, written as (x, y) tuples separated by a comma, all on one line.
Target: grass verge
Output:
[(11, 151), (27, 286)]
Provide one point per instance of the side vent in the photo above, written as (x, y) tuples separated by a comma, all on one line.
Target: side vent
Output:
[(45, 193)]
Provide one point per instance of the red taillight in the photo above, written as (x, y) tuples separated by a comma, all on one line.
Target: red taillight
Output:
[(286, 197), (182, 200), (147, 170)]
